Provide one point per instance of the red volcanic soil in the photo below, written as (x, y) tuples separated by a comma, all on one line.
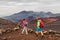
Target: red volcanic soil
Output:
[(12, 34), (32, 23), (49, 20)]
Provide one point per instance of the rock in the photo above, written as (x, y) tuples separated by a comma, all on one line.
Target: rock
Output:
[(4, 38), (51, 37), (45, 32), (9, 37), (8, 30), (57, 35), (51, 32), (0, 31), (16, 28), (3, 31), (31, 31), (57, 32)]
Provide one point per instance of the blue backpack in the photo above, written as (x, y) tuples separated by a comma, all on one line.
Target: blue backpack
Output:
[(26, 24)]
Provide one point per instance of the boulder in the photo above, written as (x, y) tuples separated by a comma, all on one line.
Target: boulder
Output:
[(16, 28), (4, 38), (0, 31)]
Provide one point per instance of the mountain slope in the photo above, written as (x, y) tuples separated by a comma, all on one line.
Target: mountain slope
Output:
[(29, 14), (6, 23)]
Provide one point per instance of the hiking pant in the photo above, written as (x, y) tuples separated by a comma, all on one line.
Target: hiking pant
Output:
[(24, 30)]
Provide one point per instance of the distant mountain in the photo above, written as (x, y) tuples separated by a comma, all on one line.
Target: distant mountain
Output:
[(29, 15)]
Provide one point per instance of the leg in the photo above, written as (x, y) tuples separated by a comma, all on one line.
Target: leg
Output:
[(26, 31), (42, 33), (23, 30), (37, 31)]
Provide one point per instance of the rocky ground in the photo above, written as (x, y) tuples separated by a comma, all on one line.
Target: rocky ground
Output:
[(12, 31), (15, 34)]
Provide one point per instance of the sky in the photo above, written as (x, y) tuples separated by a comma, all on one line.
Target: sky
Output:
[(9, 7)]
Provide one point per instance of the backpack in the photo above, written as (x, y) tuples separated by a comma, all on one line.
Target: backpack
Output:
[(41, 24), (26, 24)]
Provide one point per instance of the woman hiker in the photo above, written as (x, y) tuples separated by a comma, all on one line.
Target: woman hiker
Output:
[(25, 25), (39, 27)]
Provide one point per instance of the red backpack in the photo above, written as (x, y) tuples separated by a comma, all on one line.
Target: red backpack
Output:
[(41, 24)]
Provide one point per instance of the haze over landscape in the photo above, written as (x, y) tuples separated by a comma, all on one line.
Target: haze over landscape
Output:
[(9, 7)]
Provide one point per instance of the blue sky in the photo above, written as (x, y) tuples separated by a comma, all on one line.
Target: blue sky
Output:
[(9, 7)]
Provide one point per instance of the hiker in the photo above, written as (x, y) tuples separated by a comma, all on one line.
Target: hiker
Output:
[(25, 25), (39, 27)]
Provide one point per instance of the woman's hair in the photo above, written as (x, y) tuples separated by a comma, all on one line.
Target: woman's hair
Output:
[(39, 18), (24, 19)]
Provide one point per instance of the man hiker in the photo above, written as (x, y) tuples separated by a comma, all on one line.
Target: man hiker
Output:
[(25, 25), (39, 27)]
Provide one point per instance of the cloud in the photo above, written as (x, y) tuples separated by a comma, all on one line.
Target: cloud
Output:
[(9, 7), (21, 0)]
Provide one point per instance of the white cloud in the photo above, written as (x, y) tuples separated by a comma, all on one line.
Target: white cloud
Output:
[(9, 7)]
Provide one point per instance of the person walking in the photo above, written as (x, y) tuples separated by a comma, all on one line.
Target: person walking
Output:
[(39, 27), (25, 25)]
